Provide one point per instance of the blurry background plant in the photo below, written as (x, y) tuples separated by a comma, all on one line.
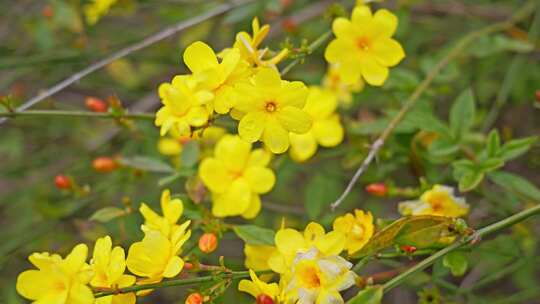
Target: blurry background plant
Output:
[(81, 178)]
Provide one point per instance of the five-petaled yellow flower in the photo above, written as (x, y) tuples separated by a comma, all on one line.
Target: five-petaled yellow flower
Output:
[(58, 280), (109, 265), (166, 224), (326, 130), (270, 109), (357, 228), (363, 46), (440, 200), (236, 176)]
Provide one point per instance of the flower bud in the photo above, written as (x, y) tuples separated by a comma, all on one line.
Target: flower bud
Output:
[(264, 299), (208, 242), (377, 189), (537, 94), (194, 298), (104, 164), (62, 182), (47, 11), (95, 104), (407, 248)]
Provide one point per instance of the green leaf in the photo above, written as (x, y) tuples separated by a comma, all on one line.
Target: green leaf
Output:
[(368, 295), (190, 154), (517, 147), (491, 164), (175, 176), (146, 163), (516, 184), (493, 143), (255, 235), (443, 147), (470, 180), (320, 191), (457, 262), (462, 167), (462, 114), (107, 214)]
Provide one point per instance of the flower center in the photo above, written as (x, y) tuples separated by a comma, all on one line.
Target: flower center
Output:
[(270, 106), (357, 230), (309, 276), (363, 43)]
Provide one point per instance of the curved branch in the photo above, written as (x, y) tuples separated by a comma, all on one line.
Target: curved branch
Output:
[(60, 113)]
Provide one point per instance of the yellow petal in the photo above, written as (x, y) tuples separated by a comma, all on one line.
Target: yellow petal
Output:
[(251, 126), (35, 284), (342, 28), (292, 93), (174, 266), (234, 201), (361, 16), (102, 252), (328, 132), (385, 23), (313, 231), (387, 51), (233, 152), (128, 298), (288, 241), (294, 120), (261, 180), (172, 209), (331, 243), (117, 265), (197, 116), (275, 136), (277, 263), (374, 73), (321, 103), (249, 287), (267, 78), (199, 57), (80, 294), (75, 259), (259, 157), (303, 146), (254, 207), (214, 175), (334, 52), (169, 147)]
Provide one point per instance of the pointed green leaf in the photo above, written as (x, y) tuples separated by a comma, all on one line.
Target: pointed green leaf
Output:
[(462, 114), (255, 235), (368, 295)]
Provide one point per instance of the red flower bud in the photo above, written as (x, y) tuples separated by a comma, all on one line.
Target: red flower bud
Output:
[(407, 248), (95, 104), (62, 182), (47, 11), (208, 242), (377, 189), (194, 298), (537, 94), (289, 25), (264, 299), (104, 164)]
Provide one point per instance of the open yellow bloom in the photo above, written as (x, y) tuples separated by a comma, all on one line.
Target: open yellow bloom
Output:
[(217, 77), (184, 106), (157, 257), (343, 91), (317, 278), (166, 224), (271, 109), (290, 242), (236, 176), (256, 287), (363, 46), (97, 9), (257, 256), (57, 280), (326, 130), (109, 265), (440, 200), (357, 228)]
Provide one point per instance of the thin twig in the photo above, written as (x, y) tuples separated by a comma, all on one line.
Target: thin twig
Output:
[(165, 33), (61, 113), (310, 49), (522, 13)]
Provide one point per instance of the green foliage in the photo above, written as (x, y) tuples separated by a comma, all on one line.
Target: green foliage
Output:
[(457, 263), (255, 235), (368, 295)]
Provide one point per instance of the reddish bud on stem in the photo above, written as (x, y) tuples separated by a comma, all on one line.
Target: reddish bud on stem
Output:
[(407, 248), (537, 94), (377, 189), (104, 164), (264, 299), (47, 11), (194, 298), (62, 182), (95, 104), (208, 242)]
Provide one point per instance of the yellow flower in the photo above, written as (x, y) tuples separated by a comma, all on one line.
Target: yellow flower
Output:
[(271, 108), (157, 257), (364, 47), (258, 288), (109, 265), (249, 46), (357, 228), (343, 91), (326, 130), (440, 200), (219, 78), (166, 224), (184, 106), (317, 278), (257, 256), (236, 176), (57, 280), (97, 9), (290, 242)]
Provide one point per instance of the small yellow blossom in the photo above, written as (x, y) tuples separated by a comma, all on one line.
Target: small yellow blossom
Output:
[(219, 78), (97, 9), (343, 91), (317, 278), (257, 256), (184, 106), (364, 47), (440, 200), (57, 280), (271, 109), (357, 228), (326, 129), (109, 265), (258, 288), (290, 242), (236, 176), (166, 224)]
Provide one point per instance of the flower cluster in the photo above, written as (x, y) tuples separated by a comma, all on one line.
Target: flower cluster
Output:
[(70, 279), (440, 200)]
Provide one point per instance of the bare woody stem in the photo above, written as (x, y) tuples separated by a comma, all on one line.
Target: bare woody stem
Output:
[(500, 225), (464, 42), (60, 113), (313, 46)]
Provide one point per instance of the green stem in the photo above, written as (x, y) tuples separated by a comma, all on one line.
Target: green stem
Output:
[(311, 48), (507, 222), (61, 113)]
